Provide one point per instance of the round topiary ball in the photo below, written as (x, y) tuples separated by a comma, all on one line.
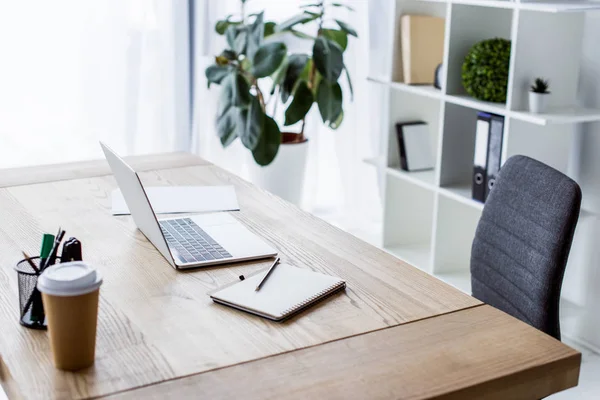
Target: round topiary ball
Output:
[(485, 70)]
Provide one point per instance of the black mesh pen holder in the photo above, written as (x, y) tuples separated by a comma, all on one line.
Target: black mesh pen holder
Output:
[(30, 299)]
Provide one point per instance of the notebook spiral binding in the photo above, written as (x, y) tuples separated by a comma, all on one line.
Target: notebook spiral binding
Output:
[(312, 299)]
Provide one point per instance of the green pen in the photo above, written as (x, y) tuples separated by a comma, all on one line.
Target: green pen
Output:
[(47, 242)]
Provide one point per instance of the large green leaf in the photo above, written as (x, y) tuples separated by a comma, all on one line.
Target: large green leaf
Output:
[(255, 36), (346, 28), (336, 124), (268, 58), (301, 103), (230, 34), (216, 74), (296, 64), (269, 28), (269, 142), (342, 5), (349, 83), (340, 37), (227, 113), (329, 100), (311, 5), (295, 20), (328, 58), (251, 122), (241, 41), (229, 138), (240, 91), (301, 35), (226, 95), (226, 123)]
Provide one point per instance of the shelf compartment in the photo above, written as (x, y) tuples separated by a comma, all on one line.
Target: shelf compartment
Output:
[(425, 179), (404, 7), (458, 146), (470, 25), (407, 221), (405, 107), (455, 227), (549, 144), (541, 34)]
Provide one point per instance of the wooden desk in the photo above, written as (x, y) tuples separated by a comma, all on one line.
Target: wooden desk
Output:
[(395, 333)]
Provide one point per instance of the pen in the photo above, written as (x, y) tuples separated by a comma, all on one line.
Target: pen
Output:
[(28, 259), (264, 279)]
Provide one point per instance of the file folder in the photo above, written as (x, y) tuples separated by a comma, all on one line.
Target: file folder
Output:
[(482, 135), (494, 152)]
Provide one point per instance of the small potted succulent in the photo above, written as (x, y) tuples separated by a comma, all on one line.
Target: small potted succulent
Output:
[(538, 96), (257, 73)]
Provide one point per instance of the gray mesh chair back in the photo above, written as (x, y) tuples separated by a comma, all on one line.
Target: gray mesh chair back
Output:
[(523, 240)]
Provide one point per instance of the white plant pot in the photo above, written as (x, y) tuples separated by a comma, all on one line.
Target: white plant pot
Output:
[(538, 102), (284, 177)]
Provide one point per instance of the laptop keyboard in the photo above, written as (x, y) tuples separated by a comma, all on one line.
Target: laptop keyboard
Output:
[(190, 243)]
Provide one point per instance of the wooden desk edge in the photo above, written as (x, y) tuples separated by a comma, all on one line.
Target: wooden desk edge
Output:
[(94, 168), (531, 383), (537, 381)]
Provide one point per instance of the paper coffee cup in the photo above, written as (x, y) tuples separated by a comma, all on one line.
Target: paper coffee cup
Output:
[(70, 294)]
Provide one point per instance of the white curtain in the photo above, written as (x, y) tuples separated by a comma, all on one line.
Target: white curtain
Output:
[(339, 186), (74, 72)]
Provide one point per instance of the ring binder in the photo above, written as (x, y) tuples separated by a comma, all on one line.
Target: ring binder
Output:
[(313, 299)]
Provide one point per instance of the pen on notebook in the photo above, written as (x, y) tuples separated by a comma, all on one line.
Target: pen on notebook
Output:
[(264, 279)]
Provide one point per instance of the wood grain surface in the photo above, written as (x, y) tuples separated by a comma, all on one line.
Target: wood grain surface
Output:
[(87, 169), (478, 353), (156, 323)]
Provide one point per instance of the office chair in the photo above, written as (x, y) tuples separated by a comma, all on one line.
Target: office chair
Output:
[(523, 240)]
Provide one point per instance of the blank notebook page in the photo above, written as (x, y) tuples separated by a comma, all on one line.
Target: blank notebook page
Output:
[(285, 291)]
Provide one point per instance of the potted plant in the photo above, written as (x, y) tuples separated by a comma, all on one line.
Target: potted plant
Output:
[(538, 96), (257, 74)]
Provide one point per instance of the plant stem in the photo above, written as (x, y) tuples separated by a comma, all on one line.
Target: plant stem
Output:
[(259, 94), (302, 130)]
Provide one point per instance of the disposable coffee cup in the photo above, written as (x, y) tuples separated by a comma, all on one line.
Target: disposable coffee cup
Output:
[(70, 294)]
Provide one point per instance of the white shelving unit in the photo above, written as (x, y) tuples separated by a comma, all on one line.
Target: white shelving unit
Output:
[(429, 217)]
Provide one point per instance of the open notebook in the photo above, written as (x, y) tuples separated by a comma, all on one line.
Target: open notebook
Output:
[(287, 291)]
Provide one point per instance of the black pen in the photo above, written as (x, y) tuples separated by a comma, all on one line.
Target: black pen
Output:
[(263, 280)]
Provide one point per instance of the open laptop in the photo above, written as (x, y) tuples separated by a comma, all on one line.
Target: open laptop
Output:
[(188, 242)]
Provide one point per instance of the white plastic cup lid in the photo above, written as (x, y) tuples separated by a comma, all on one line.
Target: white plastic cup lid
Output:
[(69, 279)]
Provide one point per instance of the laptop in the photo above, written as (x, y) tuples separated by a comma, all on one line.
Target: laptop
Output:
[(187, 242)]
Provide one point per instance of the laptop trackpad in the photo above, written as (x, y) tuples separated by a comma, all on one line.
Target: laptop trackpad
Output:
[(237, 240)]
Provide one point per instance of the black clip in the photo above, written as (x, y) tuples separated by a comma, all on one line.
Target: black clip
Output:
[(71, 251)]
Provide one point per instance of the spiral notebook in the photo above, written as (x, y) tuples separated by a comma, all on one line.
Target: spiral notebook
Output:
[(288, 291)]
